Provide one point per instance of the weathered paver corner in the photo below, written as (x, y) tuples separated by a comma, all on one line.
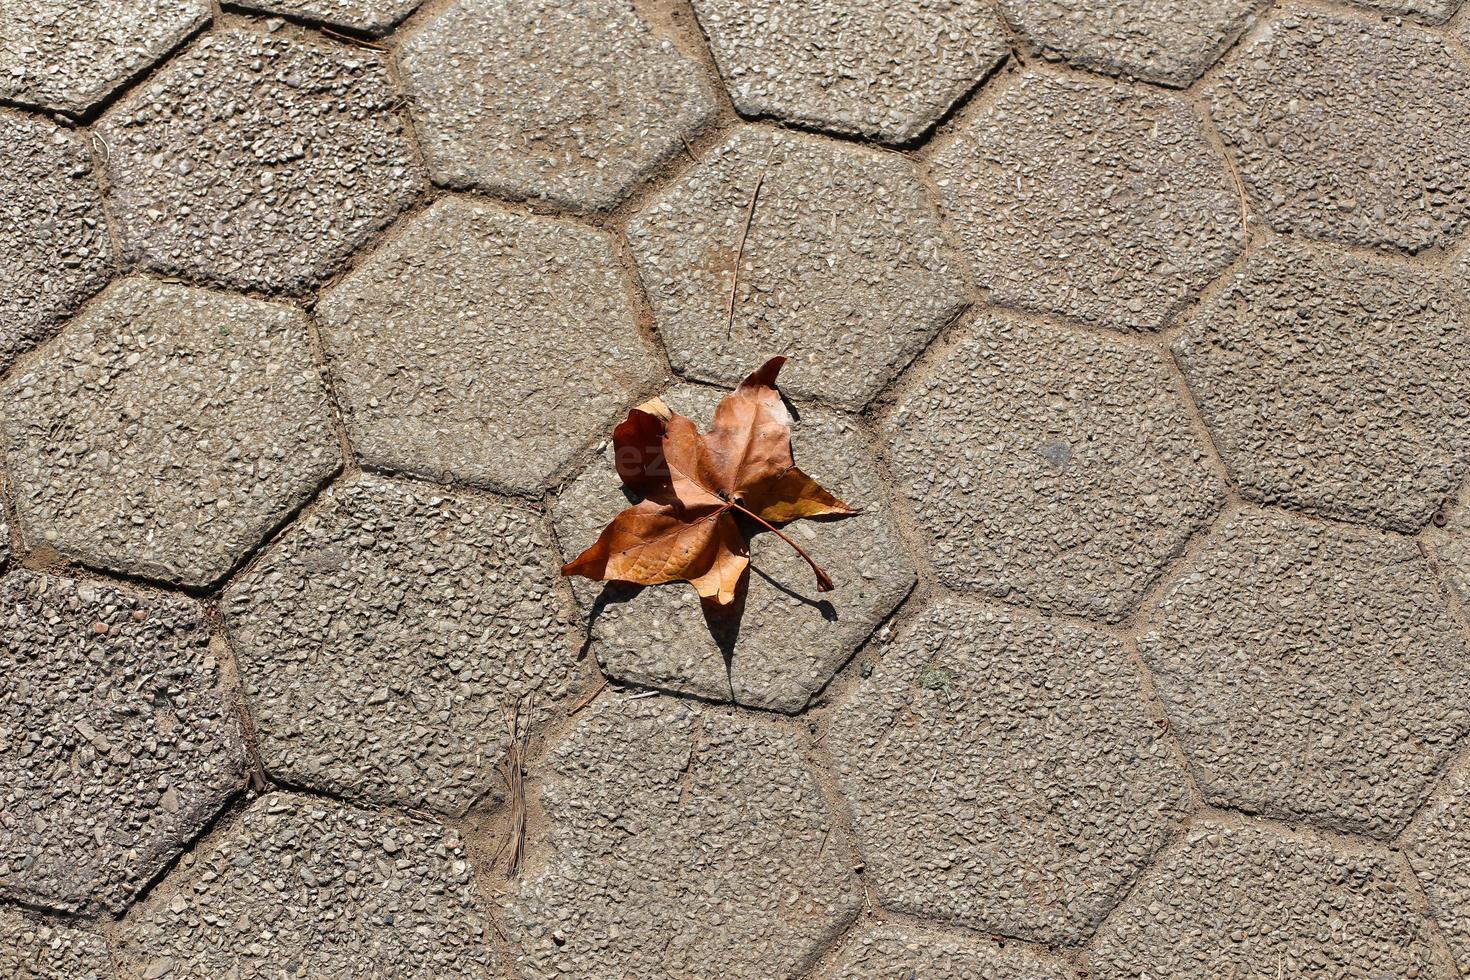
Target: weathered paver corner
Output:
[(833, 254), (166, 431), (792, 639), (456, 346)]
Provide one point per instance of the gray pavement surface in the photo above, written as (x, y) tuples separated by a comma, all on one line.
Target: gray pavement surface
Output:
[(1136, 331)]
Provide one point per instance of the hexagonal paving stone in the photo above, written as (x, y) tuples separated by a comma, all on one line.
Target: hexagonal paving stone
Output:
[(167, 431), (308, 887), (890, 952), (1004, 773), (1335, 385), (870, 68), (1311, 671), (1438, 847), (257, 161), (36, 950), (61, 54), (1133, 214), (1350, 130), (1049, 468), (382, 637), (680, 838), (1171, 42), (574, 102), (54, 250), (792, 639), (843, 267), (1240, 901), (122, 742), (369, 16), (485, 345)]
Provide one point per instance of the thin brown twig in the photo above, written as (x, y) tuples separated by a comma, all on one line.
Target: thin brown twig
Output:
[(587, 699), (349, 39), (515, 785), (740, 251)]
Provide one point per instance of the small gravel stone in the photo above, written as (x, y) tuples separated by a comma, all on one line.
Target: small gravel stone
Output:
[(573, 102), (368, 16), (1438, 847), (70, 55), (865, 67), (844, 267), (1350, 130), (910, 953), (1233, 901), (302, 887), (121, 743), (485, 345), (1312, 672), (679, 838), (54, 249), (258, 161), (1131, 216), (1171, 42), (1335, 385), (1004, 773), (1049, 468), (166, 431), (792, 639), (31, 949), (381, 639)]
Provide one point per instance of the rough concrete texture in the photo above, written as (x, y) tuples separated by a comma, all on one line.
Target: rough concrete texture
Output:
[(843, 266), (1428, 11), (1004, 773), (1438, 848), (792, 639), (257, 161), (65, 55), (868, 68), (1450, 544), (368, 16), (304, 887), (485, 346), (1349, 130), (681, 839), (908, 953), (1132, 215), (1171, 42), (121, 741), (1335, 385), (1241, 901), (382, 639), (32, 949), (1312, 672), (1049, 468), (166, 431), (572, 102), (54, 250)]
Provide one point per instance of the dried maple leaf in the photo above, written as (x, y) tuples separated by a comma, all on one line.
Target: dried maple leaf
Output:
[(695, 488)]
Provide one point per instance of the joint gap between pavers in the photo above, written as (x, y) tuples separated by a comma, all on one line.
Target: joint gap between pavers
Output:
[(337, 417), (1218, 464), (1458, 609), (1141, 620), (1439, 945), (239, 696), (310, 504)]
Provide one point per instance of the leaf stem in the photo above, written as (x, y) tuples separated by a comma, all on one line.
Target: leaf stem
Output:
[(824, 583)]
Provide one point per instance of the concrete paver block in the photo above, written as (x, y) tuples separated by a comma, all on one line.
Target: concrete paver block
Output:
[(35, 950), (485, 346), (682, 840), (1049, 468), (1335, 385), (257, 161), (54, 249), (871, 68), (122, 743), (1132, 215), (1312, 672), (1005, 774), (844, 267), (166, 431), (382, 638), (306, 886), (1349, 130), (792, 639), (573, 102)]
